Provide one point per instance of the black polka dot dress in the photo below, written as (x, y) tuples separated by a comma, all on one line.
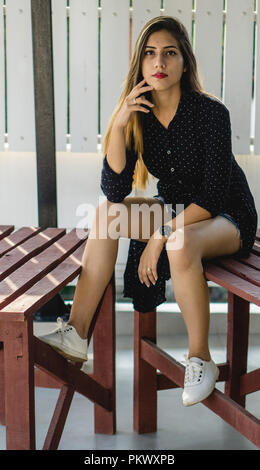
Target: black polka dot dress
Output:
[(194, 163)]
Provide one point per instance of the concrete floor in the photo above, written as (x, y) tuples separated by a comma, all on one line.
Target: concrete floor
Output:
[(179, 428)]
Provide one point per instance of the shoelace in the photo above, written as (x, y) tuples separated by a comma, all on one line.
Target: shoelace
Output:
[(61, 327), (193, 371)]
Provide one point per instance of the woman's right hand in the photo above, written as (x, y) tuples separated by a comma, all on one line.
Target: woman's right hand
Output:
[(133, 102)]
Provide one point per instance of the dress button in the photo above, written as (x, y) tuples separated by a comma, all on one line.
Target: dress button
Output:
[(169, 152), (180, 181), (172, 170)]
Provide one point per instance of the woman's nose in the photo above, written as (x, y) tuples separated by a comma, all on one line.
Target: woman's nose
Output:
[(159, 61)]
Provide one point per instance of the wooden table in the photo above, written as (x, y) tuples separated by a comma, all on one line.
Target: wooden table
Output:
[(35, 265)]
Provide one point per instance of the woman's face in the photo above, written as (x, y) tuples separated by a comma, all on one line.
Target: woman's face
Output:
[(163, 63)]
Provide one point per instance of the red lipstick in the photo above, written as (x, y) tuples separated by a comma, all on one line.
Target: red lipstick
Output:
[(160, 75)]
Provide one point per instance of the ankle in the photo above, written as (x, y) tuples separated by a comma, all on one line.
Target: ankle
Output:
[(81, 332), (204, 355)]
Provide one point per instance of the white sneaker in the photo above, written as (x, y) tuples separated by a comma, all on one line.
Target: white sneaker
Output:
[(200, 379), (67, 342)]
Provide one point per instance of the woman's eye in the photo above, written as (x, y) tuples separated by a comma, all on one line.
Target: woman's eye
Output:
[(168, 53)]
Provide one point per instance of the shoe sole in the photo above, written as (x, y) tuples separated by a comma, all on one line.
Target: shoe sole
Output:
[(66, 354), (206, 396)]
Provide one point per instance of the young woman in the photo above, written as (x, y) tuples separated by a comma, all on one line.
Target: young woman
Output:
[(167, 125)]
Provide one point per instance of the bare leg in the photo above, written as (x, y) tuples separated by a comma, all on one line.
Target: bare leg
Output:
[(194, 306), (206, 239), (100, 257), (98, 264)]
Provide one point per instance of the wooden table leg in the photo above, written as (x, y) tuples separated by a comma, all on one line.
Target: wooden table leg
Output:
[(145, 376), (237, 345), (104, 351), (19, 384), (2, 386), (60, 414)]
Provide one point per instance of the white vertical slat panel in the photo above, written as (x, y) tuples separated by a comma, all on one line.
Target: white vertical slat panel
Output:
[(59, 34), (114, 55), (2, 79), (208, 32), (238, 70), (180, 9), (257, 88), (143, 11), (20, 89), (83, 75)]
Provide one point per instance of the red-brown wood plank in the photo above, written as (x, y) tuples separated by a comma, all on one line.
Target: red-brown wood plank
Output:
[(59, 418), (145, 376), (43, 290), (250, 382), (235, 415), (45, 380), (22, 253), (104, 350), (233, 283), (241, 270), (19, 385), (47, 358), (16, 238), (159, 359), (253, 261), (237, 345), (36, 268), (2, 388), (5, 230)]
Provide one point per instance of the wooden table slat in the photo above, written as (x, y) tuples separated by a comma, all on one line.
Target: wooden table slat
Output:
[(252, 260), (233, 283), (43, 290), (16, 238), (36, 268), (32, 247), (5, 230), (241, 270)]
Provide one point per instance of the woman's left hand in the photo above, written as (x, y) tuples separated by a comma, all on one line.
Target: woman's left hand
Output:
[(149, 259)]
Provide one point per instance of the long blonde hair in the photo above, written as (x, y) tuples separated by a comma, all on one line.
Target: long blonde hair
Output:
[(189, 81)]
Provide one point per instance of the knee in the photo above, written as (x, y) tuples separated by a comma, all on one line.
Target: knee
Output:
[(184, 252)]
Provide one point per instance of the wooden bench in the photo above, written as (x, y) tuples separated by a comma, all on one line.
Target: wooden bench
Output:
[(35, 265), (242, 280)]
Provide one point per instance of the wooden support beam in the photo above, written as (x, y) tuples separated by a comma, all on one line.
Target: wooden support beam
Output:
[(59, 418), (44, 112), (237, 345), (56, 365), (145, 376), (104, 349)]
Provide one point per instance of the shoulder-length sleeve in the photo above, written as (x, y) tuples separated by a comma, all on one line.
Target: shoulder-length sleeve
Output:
[(116, 186), (215, 133)]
